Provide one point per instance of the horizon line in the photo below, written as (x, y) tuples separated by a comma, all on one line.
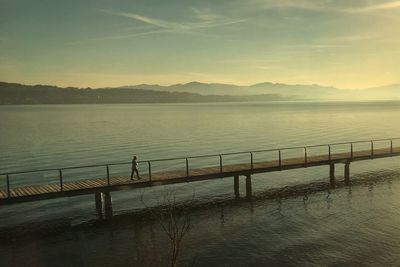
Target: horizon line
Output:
[(205, 83)]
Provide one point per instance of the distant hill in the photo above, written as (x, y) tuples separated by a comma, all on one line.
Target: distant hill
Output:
[(13, 93), (309, 92), (392, 91)]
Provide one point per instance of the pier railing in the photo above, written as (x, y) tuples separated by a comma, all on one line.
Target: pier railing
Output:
[(250, 155)]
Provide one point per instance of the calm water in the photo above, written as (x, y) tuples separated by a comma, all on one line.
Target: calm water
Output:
[(324, 230)]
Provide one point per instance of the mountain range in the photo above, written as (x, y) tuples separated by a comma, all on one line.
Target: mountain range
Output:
[(14, 93), (298, 91), (19, 94)]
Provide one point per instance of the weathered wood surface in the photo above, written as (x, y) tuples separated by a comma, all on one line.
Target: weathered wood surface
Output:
[(88, 186)]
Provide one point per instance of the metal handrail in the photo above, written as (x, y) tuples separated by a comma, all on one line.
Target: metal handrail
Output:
[(251, 152)]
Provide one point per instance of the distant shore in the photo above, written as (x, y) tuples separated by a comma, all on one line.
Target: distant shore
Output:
[(18, 94)]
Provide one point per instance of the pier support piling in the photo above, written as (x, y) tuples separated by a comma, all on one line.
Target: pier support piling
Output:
[(236, 186), (99, 204), (332, 174), (248, 187), (108, 210), (347, 173)]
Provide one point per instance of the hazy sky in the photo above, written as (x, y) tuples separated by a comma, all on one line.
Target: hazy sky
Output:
[(345, 43)]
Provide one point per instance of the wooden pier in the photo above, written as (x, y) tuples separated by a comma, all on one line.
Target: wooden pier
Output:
[(101, 188)]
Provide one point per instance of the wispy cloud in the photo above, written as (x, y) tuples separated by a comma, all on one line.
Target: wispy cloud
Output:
[(205, 20), (293, 4), (137, 17), (351, 38), (318, 5), (150, 25), (379, 7), (115, 37), (205, 14)]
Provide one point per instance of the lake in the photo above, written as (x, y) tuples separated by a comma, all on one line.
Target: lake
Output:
[(321, 229)]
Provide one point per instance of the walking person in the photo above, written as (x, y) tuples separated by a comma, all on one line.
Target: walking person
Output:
[(135, 168)]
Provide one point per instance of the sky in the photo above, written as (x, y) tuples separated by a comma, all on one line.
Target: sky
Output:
[(348, 44)]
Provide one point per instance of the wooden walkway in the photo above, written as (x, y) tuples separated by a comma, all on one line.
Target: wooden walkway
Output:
[(93, 186)]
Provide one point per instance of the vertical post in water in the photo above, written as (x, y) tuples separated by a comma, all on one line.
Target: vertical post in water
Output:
[(351, 152), (220, 163), (251, 160), (332, 174), (305, 156), (108, 210), (61, 180), (248, 187), (236, 186), (108, 175), (187, 168), (347, 173), (98, 198), (149, 164), (8, 186), (372, 149)]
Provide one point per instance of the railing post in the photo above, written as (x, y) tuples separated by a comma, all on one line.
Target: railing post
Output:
[(149, 164), (391, 147), (305, 156), (329, 148), (372, 149), (187, 168), (251, 160), (108, 175), (280, 159), (8, 186), (61, 180), (220, 163), (351, 152)]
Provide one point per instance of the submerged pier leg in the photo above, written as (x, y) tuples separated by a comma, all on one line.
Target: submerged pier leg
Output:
[(99, 204), (332, 174), (347, 173), (236, 186), (248, 187), (108, 210)]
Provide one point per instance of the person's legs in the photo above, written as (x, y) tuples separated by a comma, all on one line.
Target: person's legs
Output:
[(137, 173), (132, 174)]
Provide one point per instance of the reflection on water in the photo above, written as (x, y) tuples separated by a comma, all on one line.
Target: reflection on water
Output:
[(300, 225)]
